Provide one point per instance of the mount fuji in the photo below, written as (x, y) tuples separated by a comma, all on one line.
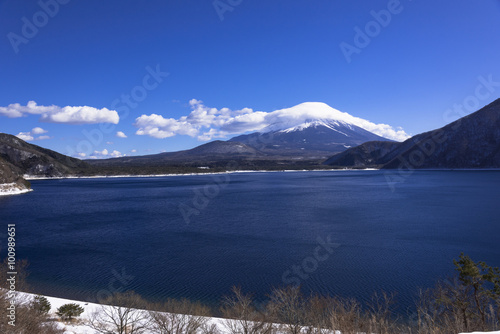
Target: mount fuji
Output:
[(311, 136)]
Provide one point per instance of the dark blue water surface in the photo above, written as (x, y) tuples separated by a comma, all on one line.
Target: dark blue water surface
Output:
[(85, 238)]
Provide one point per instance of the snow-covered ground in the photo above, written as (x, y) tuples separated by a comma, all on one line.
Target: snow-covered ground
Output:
[(12, 189), (55, 303), (89, 308)]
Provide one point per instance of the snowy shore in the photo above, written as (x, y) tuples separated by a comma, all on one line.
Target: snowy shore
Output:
[(7, 189), (89, 308)]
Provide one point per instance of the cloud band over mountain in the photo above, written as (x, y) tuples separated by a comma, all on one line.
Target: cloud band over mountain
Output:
[(207, 123)]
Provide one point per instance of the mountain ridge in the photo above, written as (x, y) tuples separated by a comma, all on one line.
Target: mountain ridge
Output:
[(18, 158), (214, 150), (472, 141)]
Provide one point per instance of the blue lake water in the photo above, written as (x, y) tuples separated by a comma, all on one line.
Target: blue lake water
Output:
[(87, 237)]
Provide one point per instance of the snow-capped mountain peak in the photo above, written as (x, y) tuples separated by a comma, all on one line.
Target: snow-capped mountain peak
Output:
[(308, 114), (309, 136), (310, 123), (310, 128)]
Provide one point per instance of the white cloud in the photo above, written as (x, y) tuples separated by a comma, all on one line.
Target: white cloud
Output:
[(38, 131), (120, 134), (159, 127), (106, 154), (81, 115), (116, 154), (103, 152), (15, 110), (82, 155), (67, 115), (207, 123), (26, 136), (212, 134), (133, 151), (30, 135)]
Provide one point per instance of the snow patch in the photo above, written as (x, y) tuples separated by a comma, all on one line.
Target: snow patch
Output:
[(7, 189), (332, 125), (90, 308)]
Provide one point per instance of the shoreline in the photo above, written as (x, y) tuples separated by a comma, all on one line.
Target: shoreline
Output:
[(34, 177), (9, 189)]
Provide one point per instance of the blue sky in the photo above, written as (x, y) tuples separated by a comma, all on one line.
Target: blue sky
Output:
[(415, 64)]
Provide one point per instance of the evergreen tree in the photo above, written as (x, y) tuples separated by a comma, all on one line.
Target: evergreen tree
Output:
[(69, 311), (481, 283), (40, 304)]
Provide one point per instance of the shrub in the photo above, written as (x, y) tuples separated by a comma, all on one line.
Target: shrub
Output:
[(69, 311), (40, 304)]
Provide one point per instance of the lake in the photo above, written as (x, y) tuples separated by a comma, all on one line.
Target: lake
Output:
[(347, 233)]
